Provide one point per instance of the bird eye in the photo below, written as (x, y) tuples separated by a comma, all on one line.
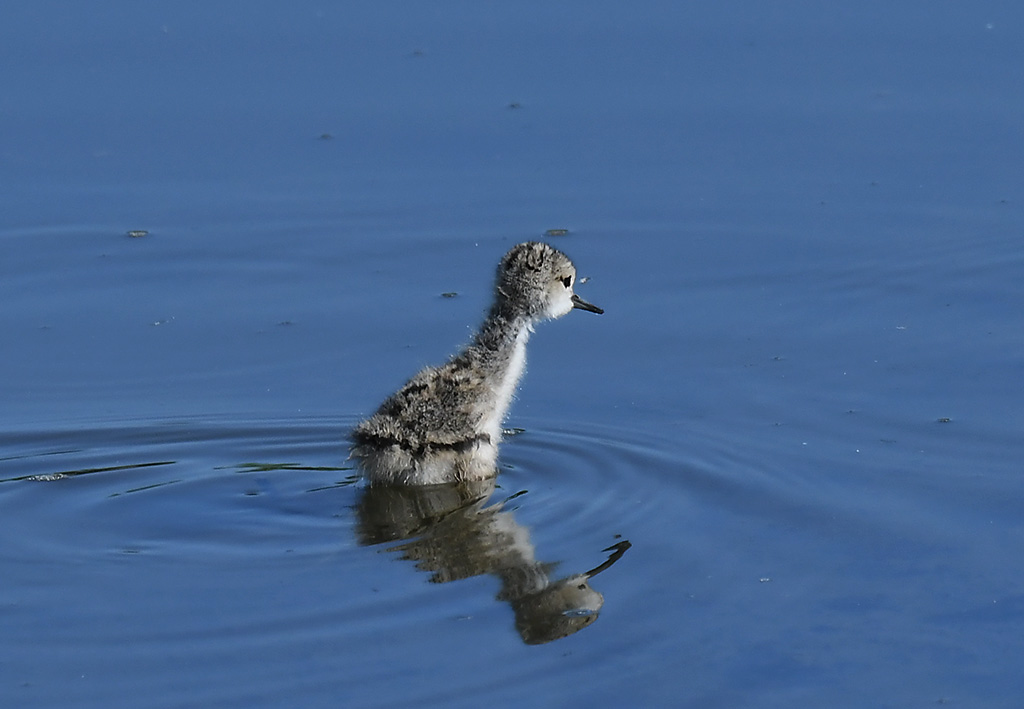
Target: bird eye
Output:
[(567, 281)]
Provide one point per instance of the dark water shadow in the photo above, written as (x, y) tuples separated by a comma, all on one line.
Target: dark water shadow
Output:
[(451, 532)]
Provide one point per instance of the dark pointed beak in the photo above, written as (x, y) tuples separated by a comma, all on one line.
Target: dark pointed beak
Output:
[(578, 302)]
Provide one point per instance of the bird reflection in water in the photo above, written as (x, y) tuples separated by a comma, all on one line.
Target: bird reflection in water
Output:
[(451, 532)]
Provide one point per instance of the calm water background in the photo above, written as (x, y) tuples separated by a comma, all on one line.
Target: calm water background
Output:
[(802, 407)]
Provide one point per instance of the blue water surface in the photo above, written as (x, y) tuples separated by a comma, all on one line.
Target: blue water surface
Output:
[(802, 406)]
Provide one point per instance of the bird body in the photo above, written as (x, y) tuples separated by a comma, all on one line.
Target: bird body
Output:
[(445, 424)]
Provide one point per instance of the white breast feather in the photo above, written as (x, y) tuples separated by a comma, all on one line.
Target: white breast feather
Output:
[(506, 388)]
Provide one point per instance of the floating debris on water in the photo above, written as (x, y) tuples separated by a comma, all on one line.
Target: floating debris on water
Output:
[(46, 478)]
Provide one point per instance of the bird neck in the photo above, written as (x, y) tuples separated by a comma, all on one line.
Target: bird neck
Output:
[(502, 333), (499, 350)]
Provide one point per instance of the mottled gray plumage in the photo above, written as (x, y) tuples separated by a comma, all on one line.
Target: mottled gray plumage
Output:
[(444, 424)]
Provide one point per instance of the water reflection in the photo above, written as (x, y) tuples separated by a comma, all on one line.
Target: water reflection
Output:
[(451, 532)]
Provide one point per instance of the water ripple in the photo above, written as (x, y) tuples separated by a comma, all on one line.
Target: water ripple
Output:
[(238, 542)]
